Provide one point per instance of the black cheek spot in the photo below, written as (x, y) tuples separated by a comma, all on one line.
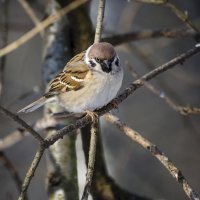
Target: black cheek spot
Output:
[(117, 62), (92, 63)]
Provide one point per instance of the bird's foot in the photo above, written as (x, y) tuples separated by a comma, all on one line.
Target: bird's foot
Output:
[(93, 115)]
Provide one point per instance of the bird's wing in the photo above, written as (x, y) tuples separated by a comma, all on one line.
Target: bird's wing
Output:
[(71, 78)]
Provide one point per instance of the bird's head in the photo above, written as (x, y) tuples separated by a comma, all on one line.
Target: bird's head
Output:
[(102, 57)]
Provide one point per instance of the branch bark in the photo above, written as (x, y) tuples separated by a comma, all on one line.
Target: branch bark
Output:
[(153, 149), (147, 34)]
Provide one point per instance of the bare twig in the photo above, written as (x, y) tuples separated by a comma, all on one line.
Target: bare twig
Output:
[(100, 17), (51, 19), (12, 170), (153, 149), (184, 110), (19, 134), (30, 13), (147, 34), (128, 91), (179, 13), (22, 123), (91, 160), (31, 171)]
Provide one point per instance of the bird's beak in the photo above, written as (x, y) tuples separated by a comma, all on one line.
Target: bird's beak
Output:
[(105, 66)]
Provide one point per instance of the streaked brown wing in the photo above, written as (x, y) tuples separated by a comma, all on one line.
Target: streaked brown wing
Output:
[(71, 78)]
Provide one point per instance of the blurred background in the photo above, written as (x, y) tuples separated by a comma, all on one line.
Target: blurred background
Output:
[(131, 166)]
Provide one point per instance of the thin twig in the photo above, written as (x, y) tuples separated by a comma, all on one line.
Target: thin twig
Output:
[(128, 91), (22, 123), (147, 34), (30, 13), (183, 110), (153, 149), (51, 19), (19, 134), (11, 168), (31, 171), (100, 17), (91, 160), (179, 13)]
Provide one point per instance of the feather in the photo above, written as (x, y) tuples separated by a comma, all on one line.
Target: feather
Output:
[(72, 77), (36, 104)]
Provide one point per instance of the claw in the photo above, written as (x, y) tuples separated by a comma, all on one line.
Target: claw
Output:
[(93, 115)]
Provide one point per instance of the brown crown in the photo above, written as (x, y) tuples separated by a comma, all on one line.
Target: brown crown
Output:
[(103, 51)]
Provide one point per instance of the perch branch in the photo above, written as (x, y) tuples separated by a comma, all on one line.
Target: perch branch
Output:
[(51, 19), (153, 149), (11, 168), (183, 110), (30, 13)]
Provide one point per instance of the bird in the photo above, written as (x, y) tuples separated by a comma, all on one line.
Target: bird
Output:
[(90, 80)]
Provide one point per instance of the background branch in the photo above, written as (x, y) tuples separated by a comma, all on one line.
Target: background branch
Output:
[(147, 34), (30, 12), (183, 16), (11, 169), (100, 17), (31, 172), (183, 110), (51, 19), (153, 149)]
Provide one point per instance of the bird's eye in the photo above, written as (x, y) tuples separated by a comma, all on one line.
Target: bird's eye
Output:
[(98, 60), (117, 62)]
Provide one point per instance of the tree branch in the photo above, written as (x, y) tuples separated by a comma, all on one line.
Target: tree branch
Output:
[(147, 34), (91, 159), (183, 110), (183, 16), (100, 17), (30, 13), (31, 171), (51, 19), (12, 170), (153, 149), (21, 122)]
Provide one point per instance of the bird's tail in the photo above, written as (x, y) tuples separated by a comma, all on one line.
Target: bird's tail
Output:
[(36, 104)]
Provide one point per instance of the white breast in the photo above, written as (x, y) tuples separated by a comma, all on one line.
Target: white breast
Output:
[(95, 94)]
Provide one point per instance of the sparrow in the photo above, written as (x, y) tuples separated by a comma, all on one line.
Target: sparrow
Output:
[(90, 80)]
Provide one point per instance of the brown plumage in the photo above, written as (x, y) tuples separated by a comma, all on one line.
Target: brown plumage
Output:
[(88, 81), (71, 78), (105, 51)]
